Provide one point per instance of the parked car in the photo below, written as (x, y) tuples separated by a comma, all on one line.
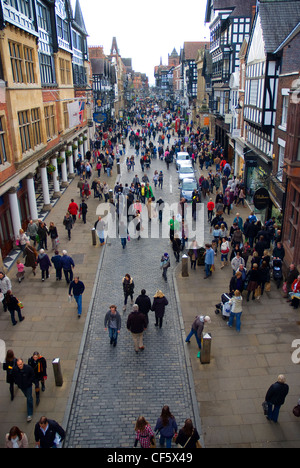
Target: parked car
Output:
[(187, 188), (186, 172), (181, 157)]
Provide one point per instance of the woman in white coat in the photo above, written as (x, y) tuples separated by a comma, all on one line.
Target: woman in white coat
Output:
[(236, 310)]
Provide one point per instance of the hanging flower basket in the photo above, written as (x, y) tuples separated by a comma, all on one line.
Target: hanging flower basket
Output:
[(68, 153), (74, 147), (51, 169), (60, 160)]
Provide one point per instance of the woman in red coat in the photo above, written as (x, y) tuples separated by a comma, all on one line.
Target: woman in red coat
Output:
[(73, 209)]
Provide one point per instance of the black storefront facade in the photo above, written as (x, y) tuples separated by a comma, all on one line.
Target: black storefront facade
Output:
[(257, 175)]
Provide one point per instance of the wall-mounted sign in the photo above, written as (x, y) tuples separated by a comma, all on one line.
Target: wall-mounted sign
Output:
[(100, 117), (261, 199)]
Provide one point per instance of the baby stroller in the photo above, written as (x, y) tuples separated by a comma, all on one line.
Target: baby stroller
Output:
[(277, 271), (224, 307)]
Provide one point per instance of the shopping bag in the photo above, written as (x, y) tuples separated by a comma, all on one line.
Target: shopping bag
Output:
[(257, 293)]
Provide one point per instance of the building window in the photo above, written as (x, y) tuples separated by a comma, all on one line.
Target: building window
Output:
[(24, 127), (47, 74), (65, 71), (50, 121), (29, 65), (66, 115), (3, 154), (36, 127), (16, 58), (22, 63), (280, 163), (285, 105), (30, 129)]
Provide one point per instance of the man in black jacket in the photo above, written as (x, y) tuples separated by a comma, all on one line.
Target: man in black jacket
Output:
[(23, 376), (144, 303), (275, 398), (136, 324), (46, 433)]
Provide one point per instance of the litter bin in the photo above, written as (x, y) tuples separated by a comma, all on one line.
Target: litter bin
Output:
[(206, 349), (94, 238), (57, 372)]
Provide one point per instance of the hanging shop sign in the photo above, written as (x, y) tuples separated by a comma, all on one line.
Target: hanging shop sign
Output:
[(261, 199)]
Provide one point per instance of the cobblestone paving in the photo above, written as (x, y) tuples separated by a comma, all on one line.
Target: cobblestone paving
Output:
[(116, 385)]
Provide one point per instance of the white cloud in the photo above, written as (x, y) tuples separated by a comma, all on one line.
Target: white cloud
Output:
[(145, 31)]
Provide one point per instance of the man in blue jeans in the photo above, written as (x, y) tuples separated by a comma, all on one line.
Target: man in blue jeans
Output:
[(197, 328), (23, 376), (209, 260), (78, 288)]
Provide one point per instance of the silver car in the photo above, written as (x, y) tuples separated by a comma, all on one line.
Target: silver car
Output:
[(186, 172), (181, 158)]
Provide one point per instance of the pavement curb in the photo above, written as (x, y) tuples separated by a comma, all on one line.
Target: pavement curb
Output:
[(196, 409)]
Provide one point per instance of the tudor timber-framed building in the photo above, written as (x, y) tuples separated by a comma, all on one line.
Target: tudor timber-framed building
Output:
[(44, 67)]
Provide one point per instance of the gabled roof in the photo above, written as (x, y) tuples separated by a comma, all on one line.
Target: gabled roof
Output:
[(190, 49), (278, 19), (78, 18), (239, 8)]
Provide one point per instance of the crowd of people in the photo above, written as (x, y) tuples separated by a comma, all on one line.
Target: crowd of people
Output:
[(246, 246)]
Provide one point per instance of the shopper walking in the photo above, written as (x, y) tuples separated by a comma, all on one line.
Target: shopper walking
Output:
[(13, 305), (209, 260), (275, 397), (164, 265), (5, 285), (144, 303), (44, 262), (16, 439), (76, 289), (30, 254), (128, 289), (39, 366), (68, 265), (236, 310), (112, 322), (166, 426), (143, 433), (68, 223), (23, 376), (197, 329), (136, 324), (56, 261), (48, 433), (159, 305), (188, 436), (8, 366)]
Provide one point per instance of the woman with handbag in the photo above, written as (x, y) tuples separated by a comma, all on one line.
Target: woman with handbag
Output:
[(13, 305), (188, 436), (144, 433)]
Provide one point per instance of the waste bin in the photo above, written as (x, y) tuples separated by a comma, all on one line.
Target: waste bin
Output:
[(57, 372), (206, 349), (94, 238)]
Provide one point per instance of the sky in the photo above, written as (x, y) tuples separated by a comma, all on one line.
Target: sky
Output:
[(146, 32)]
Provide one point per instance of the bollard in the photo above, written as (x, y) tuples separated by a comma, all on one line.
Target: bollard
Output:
[(118, 168), (57, 372), (94, 238), (111, 195), (206, 349), (185, 266)]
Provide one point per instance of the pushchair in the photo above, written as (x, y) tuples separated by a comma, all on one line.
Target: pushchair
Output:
[(224, 307)]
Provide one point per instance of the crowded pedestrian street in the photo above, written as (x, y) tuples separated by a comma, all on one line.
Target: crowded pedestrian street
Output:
[(106, 385)]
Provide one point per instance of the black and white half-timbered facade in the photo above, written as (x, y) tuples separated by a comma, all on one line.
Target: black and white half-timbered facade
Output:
[(230, 25), (271, 25)]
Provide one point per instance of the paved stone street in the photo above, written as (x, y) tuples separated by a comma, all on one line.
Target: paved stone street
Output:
[(115, 385)]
